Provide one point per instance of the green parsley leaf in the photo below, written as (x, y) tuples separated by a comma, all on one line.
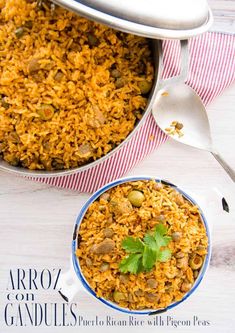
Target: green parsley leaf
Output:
[(160, 239), (144, 253), (133, 245), (149, 258), (141, 267), (167, 240), (150, 241), (130, 263), (164, 255), (161, 229)]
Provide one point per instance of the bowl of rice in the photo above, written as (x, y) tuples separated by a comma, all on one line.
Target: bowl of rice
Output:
[(72, 91), (140, 245)]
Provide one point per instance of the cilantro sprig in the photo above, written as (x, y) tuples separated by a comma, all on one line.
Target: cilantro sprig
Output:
[(143, 254)]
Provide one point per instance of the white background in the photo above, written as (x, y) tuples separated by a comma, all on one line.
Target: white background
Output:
[(37, 221)]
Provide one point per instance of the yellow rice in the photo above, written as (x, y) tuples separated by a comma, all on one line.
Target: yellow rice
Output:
[(91, 115), (174, 277)]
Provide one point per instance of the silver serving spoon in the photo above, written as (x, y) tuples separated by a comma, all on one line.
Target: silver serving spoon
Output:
[(175, 101)]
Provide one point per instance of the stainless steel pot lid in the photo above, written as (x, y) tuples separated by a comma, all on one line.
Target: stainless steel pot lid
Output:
[(149, 18)]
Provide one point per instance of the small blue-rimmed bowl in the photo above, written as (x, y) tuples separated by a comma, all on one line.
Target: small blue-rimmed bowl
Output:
[(73, 280)]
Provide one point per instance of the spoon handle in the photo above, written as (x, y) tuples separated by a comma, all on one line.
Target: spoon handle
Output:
[(224, 165), (182, 76)]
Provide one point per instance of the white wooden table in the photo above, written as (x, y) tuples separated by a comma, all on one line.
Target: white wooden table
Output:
[(37, 221)]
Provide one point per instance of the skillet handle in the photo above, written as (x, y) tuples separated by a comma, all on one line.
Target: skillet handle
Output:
[(69, 285), (184, 64)]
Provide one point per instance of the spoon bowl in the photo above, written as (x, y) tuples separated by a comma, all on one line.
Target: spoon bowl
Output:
[(178, 103)]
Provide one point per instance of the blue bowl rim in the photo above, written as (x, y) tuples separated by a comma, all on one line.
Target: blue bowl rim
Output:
[(76, 264)]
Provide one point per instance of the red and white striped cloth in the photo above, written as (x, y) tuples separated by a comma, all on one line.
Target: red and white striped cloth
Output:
[(211, 70)]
